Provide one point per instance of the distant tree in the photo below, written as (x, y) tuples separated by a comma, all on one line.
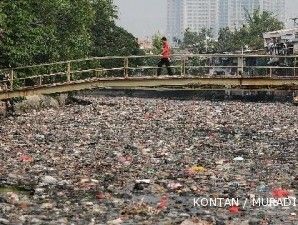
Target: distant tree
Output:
[(199, 42), (250, 34), (259, 23), (157, 43), (225, 41), (108, 39), (193, 40), (114, 40)]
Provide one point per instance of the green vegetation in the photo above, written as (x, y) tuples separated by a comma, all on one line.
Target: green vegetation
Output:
[(107, 38), (250, 35), (201, 42), (157, 44), (34, 31)]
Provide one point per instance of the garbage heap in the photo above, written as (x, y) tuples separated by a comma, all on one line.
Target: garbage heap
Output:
[(128, 160)]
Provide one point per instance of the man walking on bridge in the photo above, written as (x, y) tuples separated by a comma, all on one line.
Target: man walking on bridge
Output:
[(165, 60)]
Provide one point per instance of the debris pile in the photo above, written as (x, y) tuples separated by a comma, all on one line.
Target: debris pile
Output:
[(150, 161)]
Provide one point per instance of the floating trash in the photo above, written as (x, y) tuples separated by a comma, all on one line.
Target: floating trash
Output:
[(129, 160), (280, 193), (239, 158)]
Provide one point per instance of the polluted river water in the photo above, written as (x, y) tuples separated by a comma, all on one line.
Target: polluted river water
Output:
[(129, 160)]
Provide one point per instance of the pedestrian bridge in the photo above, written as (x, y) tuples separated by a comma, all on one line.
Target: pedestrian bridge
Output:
[(201, 71)]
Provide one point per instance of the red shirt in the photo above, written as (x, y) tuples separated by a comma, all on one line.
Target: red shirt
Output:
[(166, 51)]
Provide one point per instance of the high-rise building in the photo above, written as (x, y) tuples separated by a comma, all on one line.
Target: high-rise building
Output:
[(277, 7), (224, 9), (215, 14), (174, 19), (191, 14), (232, 13)]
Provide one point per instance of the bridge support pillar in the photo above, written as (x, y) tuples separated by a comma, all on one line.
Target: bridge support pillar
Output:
[(240, 69), (295, 97), (7, 107), (228, 91), (68, 72)]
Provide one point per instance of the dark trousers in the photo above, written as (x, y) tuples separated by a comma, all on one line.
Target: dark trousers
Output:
[(164, 61)]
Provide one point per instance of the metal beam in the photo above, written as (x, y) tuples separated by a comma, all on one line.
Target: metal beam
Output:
[(281, 83)]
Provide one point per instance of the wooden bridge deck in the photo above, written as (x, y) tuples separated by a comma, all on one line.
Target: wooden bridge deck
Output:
[(284, 83), (73, 75)]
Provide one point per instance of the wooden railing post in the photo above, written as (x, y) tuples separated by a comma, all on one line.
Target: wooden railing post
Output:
[(68, 73), (11, 79), (295, 65), (183, 65), (126, 67), (40, 80), (240, 69)]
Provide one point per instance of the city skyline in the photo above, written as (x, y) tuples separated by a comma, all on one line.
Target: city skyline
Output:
[(232, 13), (144, 18), (191, 14)]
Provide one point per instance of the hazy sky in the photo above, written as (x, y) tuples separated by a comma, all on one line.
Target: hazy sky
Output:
[(145, 17)]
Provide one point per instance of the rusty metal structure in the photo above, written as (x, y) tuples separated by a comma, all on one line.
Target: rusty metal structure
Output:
[(191, 71)]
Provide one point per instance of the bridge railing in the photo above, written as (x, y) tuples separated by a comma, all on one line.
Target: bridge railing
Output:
[(126, 67)]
